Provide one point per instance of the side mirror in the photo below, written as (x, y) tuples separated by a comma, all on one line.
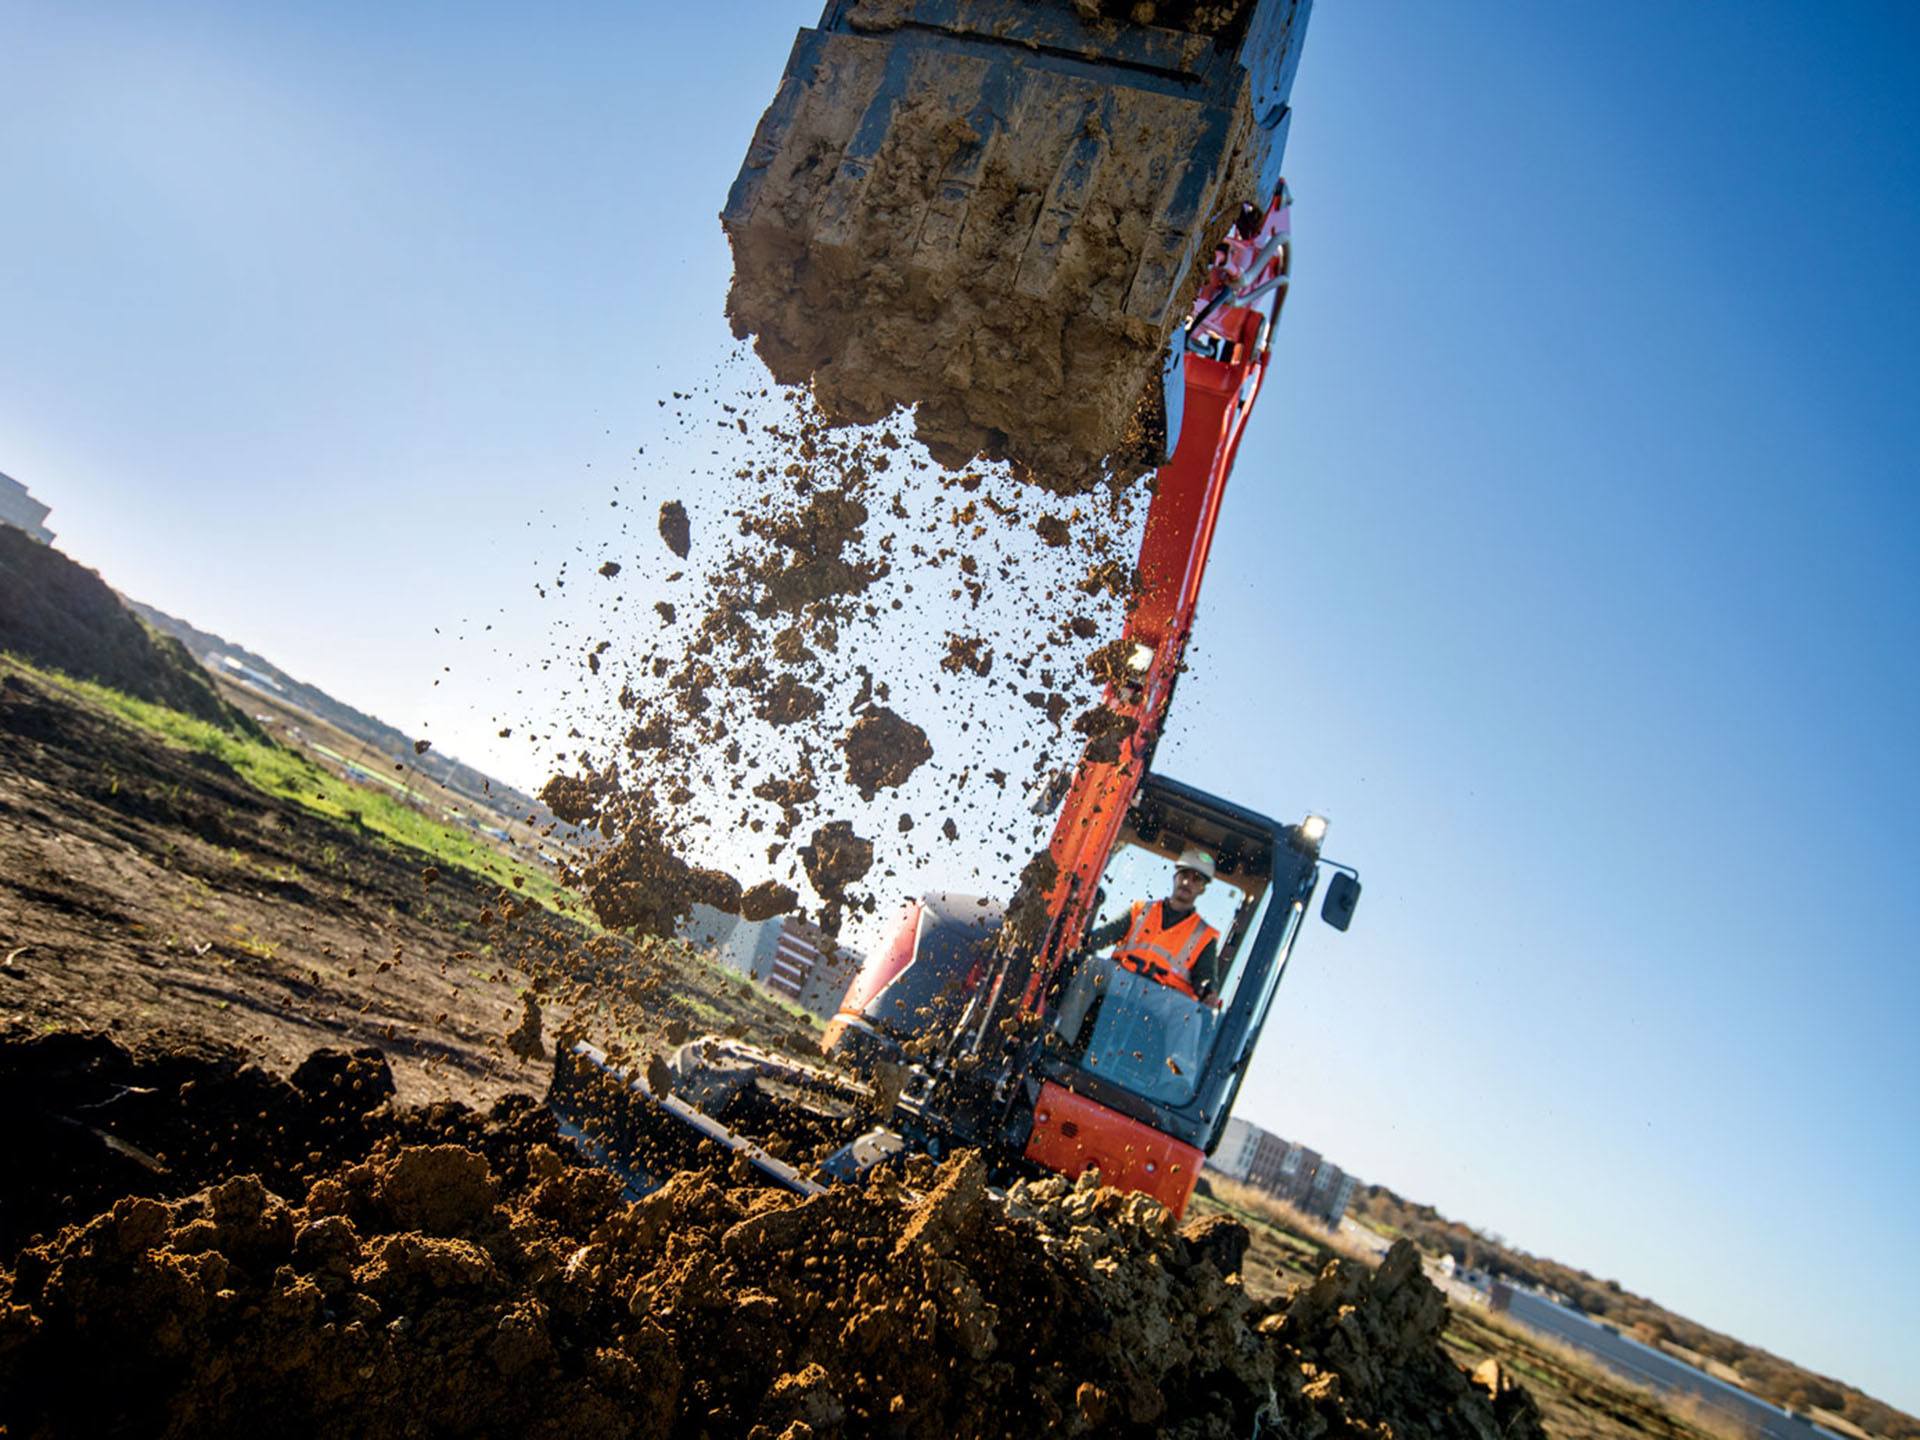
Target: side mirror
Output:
[(1343, 895)]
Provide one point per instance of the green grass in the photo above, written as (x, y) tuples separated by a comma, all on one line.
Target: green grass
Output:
[(371, 774), (290, 776)]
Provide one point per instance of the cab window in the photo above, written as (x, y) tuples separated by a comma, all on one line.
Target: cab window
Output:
[(1131, 1029)]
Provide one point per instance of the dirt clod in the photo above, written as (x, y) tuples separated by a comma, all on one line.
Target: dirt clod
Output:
[(836, 858), (766, 900), (524, 1039), (883, 749), (675, 528)]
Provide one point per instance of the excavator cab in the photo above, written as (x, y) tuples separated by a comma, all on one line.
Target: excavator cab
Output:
[(1134, 1077)]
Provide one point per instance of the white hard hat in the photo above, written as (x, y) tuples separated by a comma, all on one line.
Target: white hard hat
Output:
[(1194, 858)]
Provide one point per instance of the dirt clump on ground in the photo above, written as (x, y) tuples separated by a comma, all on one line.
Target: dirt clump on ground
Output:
[(364, 1267)]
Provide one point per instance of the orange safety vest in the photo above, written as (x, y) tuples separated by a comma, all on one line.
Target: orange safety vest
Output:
[(1164, 952)]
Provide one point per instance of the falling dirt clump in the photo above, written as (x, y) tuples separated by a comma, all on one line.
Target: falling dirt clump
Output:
[(1108, 577), (524, 1039), (967, 653), (808, 561), (640, 883), (787, 702), (1110, 664), (1105, 730), (766, 900), (835, 858), (437, 1271), (883, 749), (574, 799), (716, 888), (675, 528), (1027, 917), (1053, 530)]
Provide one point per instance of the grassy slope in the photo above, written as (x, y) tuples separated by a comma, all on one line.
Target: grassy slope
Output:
[(289, 776), (712, 996)]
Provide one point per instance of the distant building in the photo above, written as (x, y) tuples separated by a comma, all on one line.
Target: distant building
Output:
[(1293, 1173), (789, 956), (238, 670), (21, 510), (1238, 1142)]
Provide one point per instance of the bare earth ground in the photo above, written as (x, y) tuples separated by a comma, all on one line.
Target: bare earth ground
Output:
[(1578, 1400), (212, 1249), (152, 892)]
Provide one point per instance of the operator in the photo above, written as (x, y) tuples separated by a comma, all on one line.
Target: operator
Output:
[(1168, 940)]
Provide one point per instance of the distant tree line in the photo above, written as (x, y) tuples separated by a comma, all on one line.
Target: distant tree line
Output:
[(1766, 1375)]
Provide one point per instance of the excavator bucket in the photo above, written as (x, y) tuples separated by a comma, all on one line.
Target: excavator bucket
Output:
[(998, 211)]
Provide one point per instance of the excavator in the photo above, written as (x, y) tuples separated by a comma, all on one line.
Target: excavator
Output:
[(994, 1026)]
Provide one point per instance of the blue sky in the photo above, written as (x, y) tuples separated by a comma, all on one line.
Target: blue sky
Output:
[(1569, 567)]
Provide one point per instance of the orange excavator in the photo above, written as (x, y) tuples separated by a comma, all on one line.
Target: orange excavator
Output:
[(996, 1027)]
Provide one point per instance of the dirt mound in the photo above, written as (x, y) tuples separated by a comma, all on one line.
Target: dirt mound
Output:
[(102, 1122), (57, 614), (353, 1266)]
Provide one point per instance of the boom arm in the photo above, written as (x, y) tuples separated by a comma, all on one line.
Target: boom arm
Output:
[(1226, 345)]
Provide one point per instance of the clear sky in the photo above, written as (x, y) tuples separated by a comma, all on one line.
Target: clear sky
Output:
[(1570, 567)]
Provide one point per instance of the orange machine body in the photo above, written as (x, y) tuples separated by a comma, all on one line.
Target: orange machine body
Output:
[(1072, 1134)]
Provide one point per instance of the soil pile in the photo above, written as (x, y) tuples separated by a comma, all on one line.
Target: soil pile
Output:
[(360, 1267), (992, 238), (57, 614)]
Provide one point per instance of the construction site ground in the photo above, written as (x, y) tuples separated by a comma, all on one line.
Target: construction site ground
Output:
[(151, 891), (154, 895), (1578, 1399)]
